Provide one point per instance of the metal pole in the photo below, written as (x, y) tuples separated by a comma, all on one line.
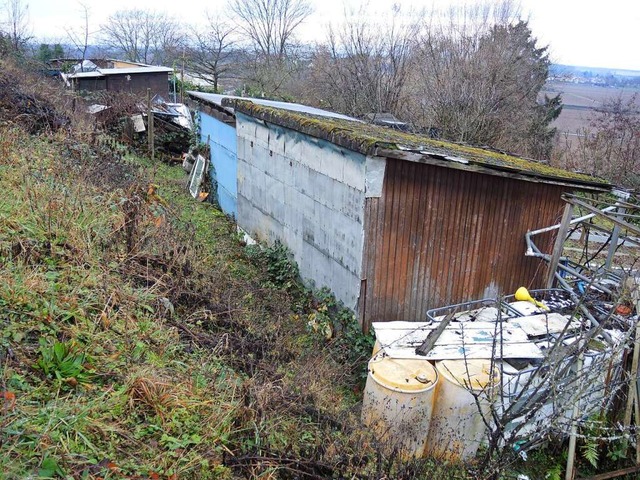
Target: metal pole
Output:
[(175, 80)]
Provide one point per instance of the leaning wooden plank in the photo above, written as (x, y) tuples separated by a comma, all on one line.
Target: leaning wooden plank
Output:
[(615, 474), (433, 336)]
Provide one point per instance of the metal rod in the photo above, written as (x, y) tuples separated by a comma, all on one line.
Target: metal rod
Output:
[(617, 473), (584, 310), (614, 220), (584, 278), (575, 220)]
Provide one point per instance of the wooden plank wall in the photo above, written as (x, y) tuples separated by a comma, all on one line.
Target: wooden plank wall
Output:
[(138, 83), (440, 236)]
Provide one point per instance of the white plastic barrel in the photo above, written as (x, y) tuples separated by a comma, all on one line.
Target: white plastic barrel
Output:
[(457, 426), (376, 348), (398, 401)]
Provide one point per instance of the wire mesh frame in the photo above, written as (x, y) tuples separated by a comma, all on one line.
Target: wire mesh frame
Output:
[(592, 387)]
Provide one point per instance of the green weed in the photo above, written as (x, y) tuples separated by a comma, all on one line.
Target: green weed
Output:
[(65, 362)]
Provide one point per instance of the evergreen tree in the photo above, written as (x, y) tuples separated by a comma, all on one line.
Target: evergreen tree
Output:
[(58, 51), (44, 53)]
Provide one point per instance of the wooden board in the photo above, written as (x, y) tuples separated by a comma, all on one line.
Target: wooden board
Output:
[(544, 324), (471, 340)]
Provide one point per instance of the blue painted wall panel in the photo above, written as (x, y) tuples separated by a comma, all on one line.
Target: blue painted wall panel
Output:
[(222, 140)]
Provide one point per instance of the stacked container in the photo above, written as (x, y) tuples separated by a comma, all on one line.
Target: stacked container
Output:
[(398, 401), (462, 405)]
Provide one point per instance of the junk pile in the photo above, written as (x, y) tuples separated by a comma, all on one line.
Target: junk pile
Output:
[(123, 116), (173, 125), (512, 371), (33, 111)]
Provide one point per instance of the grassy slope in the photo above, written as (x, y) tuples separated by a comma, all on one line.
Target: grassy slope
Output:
[(138, 340)]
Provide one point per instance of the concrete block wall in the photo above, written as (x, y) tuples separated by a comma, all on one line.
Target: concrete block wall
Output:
[(308, 193)]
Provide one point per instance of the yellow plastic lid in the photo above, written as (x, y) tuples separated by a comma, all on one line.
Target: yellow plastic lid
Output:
[(403, 375), (474, 374)]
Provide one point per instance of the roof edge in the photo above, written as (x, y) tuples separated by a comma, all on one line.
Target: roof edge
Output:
[(439, 160), (371, 145), (312, 125)]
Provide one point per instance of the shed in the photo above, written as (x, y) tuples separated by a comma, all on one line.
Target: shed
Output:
[(394, 223), (217, 126), (125, 79)]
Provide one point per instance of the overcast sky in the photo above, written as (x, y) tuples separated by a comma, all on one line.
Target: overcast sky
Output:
[(579, 32)]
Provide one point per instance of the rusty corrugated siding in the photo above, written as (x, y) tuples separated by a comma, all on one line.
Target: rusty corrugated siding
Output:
[(439, 236)]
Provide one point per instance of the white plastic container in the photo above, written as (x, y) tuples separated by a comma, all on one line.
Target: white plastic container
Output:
[(457, 426), (398, 401), (376, 348)]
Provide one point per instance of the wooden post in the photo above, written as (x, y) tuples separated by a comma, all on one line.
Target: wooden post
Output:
[(182, 78), (635, 297), (615, 234), (150, 133), (557, 249), (632, 395), (569, 474)]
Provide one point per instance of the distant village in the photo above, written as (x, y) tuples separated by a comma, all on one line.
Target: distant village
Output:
[(594, 76)]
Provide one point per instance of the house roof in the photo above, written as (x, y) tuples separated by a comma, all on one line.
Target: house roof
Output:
[(217, 99), (103, 72), (382, 141)]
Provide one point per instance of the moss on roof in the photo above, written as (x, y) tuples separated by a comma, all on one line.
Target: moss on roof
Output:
[(370, 139)]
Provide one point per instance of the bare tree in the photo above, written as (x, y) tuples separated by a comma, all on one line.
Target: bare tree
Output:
[(268, 26), (79, 37), (143, 36), (364, 66), (16, 24), (477, 78), (610, 145), (211, 49)]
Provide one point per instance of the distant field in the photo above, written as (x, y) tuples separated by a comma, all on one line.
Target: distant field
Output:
[(579, 101)]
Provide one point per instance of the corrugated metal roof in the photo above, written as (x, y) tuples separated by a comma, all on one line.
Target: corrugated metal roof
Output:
[(217, 99), (377, 140), (103, 72), (93, 74), (116, 71)]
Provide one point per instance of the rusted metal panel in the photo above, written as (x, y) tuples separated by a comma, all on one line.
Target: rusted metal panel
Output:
[(439, 236)]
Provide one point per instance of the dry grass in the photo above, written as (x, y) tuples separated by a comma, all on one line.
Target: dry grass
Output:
[(157, 394), (199, 367)]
